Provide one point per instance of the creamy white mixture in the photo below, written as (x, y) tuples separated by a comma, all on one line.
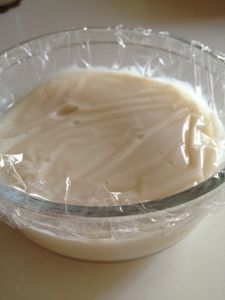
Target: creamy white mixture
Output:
[(85, 134)]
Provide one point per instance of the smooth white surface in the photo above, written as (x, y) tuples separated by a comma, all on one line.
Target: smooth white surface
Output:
[(193, 269)]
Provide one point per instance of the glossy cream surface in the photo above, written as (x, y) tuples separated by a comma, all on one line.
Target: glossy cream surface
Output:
[(103, 137)]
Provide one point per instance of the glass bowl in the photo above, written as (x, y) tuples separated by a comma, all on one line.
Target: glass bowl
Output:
[(118, 232)]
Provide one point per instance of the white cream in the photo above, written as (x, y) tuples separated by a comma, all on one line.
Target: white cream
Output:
[(108, 138), (85, 134)]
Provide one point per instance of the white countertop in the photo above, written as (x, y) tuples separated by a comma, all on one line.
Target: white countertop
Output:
[(194, 268)]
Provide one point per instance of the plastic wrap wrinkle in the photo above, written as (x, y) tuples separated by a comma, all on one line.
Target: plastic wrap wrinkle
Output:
[(124, 215)]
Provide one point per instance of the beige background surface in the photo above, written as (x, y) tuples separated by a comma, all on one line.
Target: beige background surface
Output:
[(193, 269)]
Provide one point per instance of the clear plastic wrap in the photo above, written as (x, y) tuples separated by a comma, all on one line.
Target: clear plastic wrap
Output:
[(111, 226)]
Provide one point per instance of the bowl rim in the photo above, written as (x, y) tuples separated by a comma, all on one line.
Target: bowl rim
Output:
[(44, 206)]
